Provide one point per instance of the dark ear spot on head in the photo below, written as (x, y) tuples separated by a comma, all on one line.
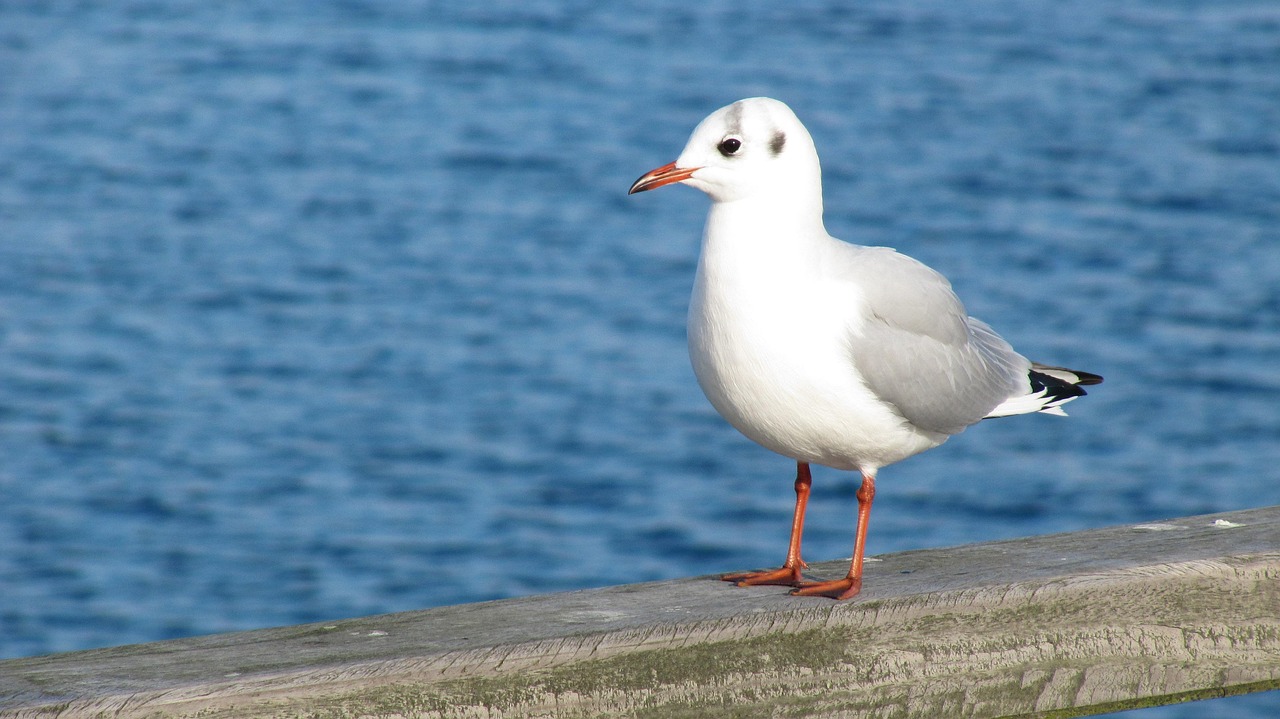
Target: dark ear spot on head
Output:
[(778, 142)]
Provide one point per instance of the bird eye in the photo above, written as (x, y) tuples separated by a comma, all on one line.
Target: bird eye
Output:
[(729, 146)]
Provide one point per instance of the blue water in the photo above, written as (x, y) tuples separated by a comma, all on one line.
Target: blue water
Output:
[(318, 310)]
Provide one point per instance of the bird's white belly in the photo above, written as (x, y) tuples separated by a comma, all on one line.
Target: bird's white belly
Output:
[(783, 376)]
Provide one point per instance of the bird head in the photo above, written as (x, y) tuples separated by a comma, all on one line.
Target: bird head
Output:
[(751, 147)]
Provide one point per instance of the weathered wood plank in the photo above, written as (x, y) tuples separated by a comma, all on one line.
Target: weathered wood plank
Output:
[(1058, 625)]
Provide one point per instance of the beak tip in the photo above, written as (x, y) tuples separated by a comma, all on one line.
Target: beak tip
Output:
[(665, 175), (645, 183)]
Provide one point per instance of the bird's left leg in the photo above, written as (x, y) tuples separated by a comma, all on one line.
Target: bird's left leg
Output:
[(852, 583), (789, 573)]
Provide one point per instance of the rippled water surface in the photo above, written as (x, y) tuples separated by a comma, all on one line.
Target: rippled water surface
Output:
[(312, 311)]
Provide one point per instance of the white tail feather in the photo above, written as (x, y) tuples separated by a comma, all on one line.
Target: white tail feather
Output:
[(1028, 403)]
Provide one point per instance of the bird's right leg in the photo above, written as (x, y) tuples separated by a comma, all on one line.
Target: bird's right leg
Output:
[(789, 573), (848, 587)]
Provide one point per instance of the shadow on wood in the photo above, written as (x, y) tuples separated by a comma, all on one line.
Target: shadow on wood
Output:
[(1059, 625)]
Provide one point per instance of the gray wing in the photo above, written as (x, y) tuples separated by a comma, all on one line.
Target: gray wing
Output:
[(917, 349)]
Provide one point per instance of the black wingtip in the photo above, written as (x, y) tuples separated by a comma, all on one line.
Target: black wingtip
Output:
[(1059, 389), (1066, 375), (1087, 378)]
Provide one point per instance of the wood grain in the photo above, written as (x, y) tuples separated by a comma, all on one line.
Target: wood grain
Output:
[(1060, 625)]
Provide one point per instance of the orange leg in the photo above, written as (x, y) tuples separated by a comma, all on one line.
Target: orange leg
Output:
[(789, 573), (851, 584)]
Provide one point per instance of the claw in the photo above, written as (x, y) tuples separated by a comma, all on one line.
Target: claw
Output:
[(784, 576), (846, 588)]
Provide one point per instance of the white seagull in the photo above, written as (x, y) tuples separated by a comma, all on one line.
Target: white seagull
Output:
[(824, 351)]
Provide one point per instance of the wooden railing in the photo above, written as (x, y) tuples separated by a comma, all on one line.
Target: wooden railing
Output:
[(1060, 625)]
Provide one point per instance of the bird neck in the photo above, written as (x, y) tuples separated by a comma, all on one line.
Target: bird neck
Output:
[(767, 223), (752, 245)]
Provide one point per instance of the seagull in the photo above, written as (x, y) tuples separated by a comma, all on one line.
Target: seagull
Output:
[(824, 351)]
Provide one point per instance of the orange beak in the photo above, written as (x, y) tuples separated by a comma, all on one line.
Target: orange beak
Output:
[(664, 175)]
